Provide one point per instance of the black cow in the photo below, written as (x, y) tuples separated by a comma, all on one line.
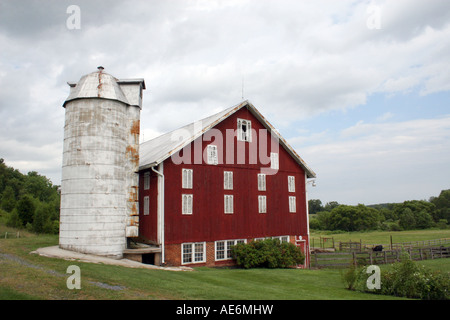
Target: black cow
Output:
[(378, 248)]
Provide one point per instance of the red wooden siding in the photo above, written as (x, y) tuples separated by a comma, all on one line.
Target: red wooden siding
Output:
[(148, 223), (208, 221)]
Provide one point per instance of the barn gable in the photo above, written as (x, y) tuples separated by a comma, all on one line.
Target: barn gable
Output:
[(157, 150)]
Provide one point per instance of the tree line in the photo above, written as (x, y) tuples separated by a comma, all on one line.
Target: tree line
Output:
[(31, 201), (28, 201), (409, 215)]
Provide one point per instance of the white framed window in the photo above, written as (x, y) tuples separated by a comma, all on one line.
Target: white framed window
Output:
[(292, 204), (220, 250), (244, 129), (291, 183), (228, 204), (187, 178), (186, 203), (262, 207), (223, 248), (282, 238), (193, 252), (274, 161), (228, 180), (261, 182), (212, 157), (146, 180), (146, 205)]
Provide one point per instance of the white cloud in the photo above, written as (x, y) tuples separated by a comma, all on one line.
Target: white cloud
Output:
[(383, 162), (297, 59), (385, 116)]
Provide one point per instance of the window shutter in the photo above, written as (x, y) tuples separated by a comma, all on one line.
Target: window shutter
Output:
[(146, 180), (146, 205), (261, 182), (187, 177), (291, 183), (228, 204), (184, 179), (190, 178), (228, 180), (274, 161), (190, 203), (262, 204), (292, 206), (186, 203)]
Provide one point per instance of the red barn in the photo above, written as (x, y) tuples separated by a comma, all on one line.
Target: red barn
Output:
[(226, 179)]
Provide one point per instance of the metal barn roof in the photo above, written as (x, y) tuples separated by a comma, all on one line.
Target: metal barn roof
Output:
[(155, 151)]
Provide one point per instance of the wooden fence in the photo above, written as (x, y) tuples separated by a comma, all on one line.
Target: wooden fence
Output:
[(7, 235), (412, 244), (330, 243), (345, 259), (322, 242)]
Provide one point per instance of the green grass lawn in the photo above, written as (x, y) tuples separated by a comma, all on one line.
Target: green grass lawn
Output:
[(29, 276)]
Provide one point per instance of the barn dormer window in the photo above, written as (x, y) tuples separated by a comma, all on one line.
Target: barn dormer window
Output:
[(244, 129), (212, 157)]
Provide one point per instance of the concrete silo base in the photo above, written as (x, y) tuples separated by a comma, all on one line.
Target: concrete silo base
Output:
[(57, 252)]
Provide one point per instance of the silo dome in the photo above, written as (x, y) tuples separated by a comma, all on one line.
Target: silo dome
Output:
[(97, 84), (98, 174)]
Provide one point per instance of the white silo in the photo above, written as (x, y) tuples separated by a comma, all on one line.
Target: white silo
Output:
[(100, 162)]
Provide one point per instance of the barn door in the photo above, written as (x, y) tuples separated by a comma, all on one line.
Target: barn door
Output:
[(301, 243)]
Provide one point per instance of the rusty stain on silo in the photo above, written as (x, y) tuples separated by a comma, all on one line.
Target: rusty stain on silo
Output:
[(133, 154)]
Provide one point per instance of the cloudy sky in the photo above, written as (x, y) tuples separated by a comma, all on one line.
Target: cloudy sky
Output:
[(361, 89)]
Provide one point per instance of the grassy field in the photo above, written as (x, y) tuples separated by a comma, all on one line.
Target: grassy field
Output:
[(29, 276), (384, 237)]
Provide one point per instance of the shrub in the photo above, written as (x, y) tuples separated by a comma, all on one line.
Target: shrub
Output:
[(408, 279), (351, 276), (405, 279), (268, 253)]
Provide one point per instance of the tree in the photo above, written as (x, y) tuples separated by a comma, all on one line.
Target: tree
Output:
[(354, 218), (25, 209), (415, 214), (315, 206), (321, 221), (407, 220), (13, 220), (41, 216), (331, 205), (423, 220), (35, 193), (39, 186), (46, 218), (442, 204), (8, 202)]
